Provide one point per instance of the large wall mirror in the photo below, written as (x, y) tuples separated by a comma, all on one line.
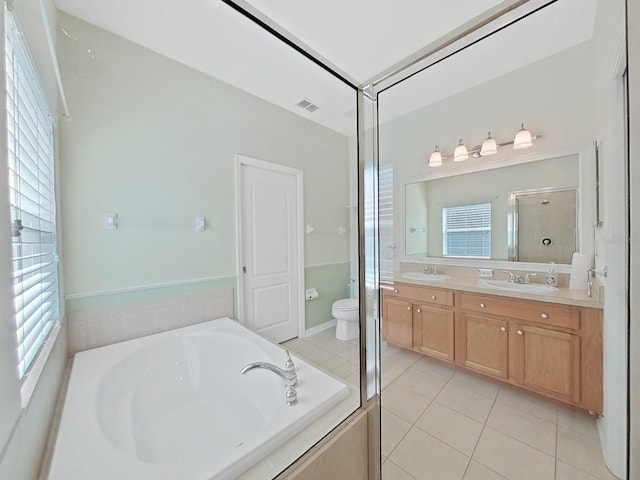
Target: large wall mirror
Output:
[(496, 206), (526, 212)]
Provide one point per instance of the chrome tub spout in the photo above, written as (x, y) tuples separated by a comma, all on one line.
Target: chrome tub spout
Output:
[(288, 374)]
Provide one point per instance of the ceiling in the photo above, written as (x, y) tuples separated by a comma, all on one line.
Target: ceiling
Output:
[(360, 37), (365, 37)]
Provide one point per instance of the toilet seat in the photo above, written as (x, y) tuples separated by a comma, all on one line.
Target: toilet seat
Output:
[(346, 305)]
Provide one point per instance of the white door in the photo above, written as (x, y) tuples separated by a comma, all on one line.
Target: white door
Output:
[(270, 249)]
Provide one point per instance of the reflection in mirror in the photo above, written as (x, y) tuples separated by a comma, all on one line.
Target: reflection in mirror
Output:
[(230, 171), (542, 225), (486, 214)]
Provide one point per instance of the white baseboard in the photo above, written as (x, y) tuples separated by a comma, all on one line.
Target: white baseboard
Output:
[(319, 328)]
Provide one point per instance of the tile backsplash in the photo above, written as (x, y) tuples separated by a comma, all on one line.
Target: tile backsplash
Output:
[(97, 327)]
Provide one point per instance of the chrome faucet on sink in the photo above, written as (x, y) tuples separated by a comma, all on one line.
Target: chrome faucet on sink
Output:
[(519, 279), (428, 270), (288, 373)]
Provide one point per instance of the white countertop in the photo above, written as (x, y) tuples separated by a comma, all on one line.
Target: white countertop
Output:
[(563, 296)]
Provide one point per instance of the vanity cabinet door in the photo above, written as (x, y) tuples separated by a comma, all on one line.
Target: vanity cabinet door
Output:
[(433, 331), (486, 345), (547, 361), (397, 325)]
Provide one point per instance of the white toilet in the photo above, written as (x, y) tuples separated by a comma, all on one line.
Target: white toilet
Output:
[(346, 312)]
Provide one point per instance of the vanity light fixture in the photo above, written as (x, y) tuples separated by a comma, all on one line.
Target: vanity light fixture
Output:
[(489, 146), (435, 160), (523, 139), (460, 153)]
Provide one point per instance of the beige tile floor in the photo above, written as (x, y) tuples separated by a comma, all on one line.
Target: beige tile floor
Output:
[(440, 422), (443, 423), (327, 352)]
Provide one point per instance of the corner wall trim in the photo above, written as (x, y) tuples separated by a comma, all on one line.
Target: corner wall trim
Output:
[(73, 296)]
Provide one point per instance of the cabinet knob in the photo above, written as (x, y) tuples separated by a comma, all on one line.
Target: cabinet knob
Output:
[(419, 310), (433, 297), (482, 305), (408, 308), (503, 329), (544, 315), (395, 290), (519, 332)]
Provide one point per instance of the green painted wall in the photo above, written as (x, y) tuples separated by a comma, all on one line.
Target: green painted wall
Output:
[(154, 141), (332, 282)]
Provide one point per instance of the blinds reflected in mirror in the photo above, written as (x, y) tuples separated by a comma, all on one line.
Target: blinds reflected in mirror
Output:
[(466, 231)]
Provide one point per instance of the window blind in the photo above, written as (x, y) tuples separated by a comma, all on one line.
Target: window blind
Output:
[(385, 225), (31, 162), (466, 231)]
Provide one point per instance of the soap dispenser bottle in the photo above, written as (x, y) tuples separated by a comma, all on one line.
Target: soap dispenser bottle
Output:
[(551, 278)]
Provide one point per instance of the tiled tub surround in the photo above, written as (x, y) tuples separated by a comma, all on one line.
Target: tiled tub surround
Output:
[(104, 325), (104, 318), (120, 419)]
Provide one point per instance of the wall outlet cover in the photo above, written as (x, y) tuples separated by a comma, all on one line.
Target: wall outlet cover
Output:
[(485, 272)]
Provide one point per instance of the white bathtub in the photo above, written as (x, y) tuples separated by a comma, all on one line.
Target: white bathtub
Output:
[(175, 406)]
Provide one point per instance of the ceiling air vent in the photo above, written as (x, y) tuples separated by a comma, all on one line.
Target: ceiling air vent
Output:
[(307, 105)]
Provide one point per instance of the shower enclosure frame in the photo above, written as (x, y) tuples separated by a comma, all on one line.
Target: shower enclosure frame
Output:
[(513, 217), (471, 32)]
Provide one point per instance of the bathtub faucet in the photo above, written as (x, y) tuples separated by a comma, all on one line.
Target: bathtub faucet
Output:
[(288, 373)]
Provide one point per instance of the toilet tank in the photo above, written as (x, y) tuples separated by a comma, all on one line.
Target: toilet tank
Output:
[(354, 288)]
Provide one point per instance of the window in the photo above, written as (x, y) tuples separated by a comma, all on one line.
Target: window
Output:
[(385, 218), (31, 163), (466, 231)]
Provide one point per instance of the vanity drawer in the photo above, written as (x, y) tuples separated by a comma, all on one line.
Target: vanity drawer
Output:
[(434, 296), (563, 316)]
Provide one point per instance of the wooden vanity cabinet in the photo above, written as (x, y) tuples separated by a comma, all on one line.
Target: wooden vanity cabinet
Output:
[(546, 360), (551, 349), (485, 345), (397, 325), (420, 318), (433, 331)]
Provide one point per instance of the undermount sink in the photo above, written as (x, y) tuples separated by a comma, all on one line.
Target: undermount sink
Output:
[(519, 287), (429, 277)]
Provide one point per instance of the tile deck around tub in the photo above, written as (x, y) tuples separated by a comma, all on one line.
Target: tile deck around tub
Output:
[(340, 359), (442, 422)]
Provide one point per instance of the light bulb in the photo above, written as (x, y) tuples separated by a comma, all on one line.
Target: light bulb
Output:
[(489, 147), (522, 139), (460, 153), (435, 160)]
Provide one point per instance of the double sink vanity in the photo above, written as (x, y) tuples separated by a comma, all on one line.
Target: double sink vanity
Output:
[(545, 340)]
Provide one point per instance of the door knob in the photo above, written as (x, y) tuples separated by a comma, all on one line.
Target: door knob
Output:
[(544, 315), (408, 308), (433, 297), (395, 290), (503, 329), (520, 332), (419, 310), (482, 305)]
